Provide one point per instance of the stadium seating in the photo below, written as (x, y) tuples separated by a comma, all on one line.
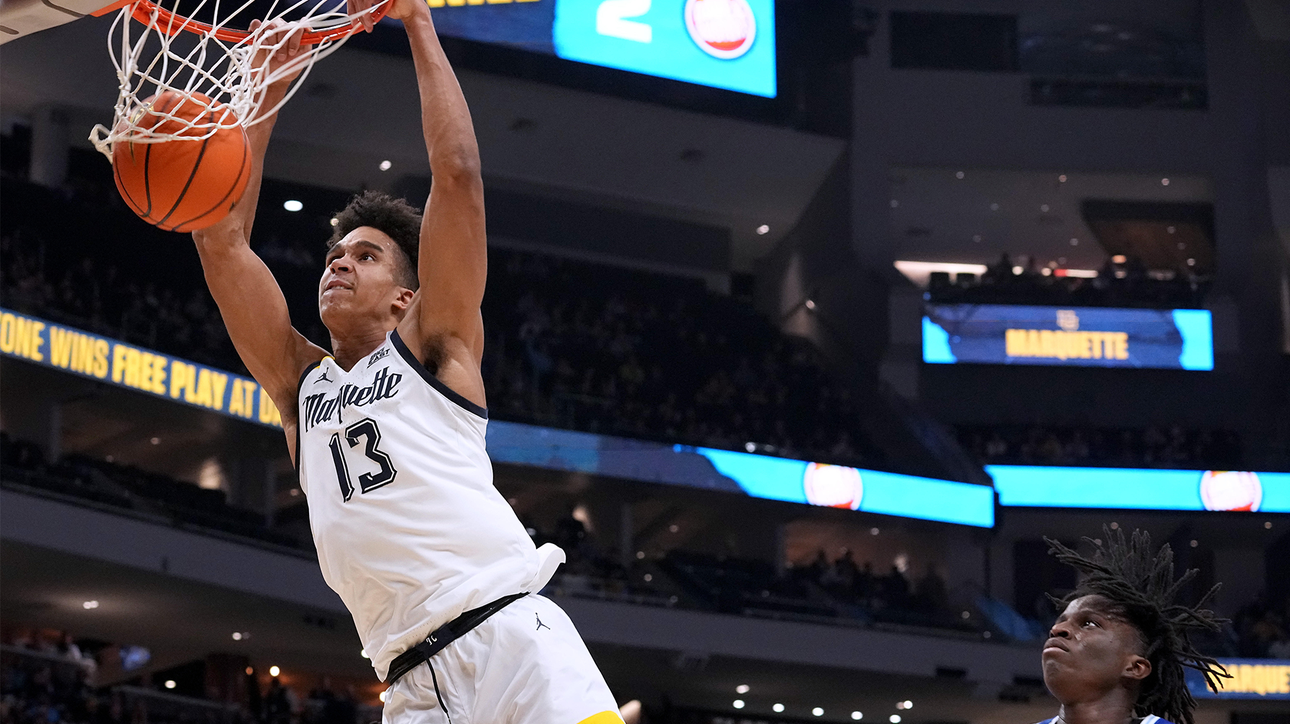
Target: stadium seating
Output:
[(678, 578), (1123, 284), (1127, 447), (145, 494), (639, 354)]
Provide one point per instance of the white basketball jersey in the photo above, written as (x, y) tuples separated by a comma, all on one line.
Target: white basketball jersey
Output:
[(409, 528)]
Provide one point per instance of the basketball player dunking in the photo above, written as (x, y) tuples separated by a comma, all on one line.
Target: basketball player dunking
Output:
[(387, 433)]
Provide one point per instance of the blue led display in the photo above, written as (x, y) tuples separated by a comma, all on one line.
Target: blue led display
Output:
[(1068, 336), (728, 44), (664, 38), (1257, 679), (1139, 489), (760, 476), (873, 491)]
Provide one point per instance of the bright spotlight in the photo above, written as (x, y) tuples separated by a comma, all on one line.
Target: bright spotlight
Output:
[(909, 704), (237, 635), (385, 165), (763, 230), (383, 697), (738, 704), (170, 683), (817, 711), (90, 605), (292, 205), (274, 671), (741, 689), (778, 708), (363, 653), (857, 715), (894, 719)]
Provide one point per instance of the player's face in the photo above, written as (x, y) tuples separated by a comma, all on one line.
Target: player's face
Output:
[(1090, 651), (360, 280)]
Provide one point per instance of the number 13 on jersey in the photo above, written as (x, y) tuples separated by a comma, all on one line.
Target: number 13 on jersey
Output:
[(359, 443)]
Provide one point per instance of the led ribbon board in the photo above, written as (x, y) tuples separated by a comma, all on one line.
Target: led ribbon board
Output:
[(1031, 486), (796, 481), (759, 476), (125, 365), (1259, 679), (1070, 336), (728, 44)]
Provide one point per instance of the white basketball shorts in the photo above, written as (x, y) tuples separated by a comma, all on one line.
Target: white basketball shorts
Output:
[(526, 664)]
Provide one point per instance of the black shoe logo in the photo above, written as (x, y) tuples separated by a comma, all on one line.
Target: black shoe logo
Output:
[(540, 625), (323, 378)]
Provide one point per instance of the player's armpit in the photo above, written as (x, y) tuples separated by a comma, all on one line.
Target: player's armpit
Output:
[(451, 356)]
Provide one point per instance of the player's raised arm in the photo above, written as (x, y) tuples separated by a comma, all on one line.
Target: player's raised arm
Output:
[(453, 259), (249, 299)]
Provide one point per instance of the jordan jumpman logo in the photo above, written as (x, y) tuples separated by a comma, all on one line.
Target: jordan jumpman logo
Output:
[(540, 625)]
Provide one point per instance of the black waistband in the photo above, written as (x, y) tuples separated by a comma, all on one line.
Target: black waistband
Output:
[(439, 639)]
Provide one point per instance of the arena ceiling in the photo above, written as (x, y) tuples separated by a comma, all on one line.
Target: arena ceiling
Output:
[(357, 109), (972, 215)]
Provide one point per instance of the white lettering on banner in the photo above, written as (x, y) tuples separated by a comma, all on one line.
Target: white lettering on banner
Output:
[(612, 20)]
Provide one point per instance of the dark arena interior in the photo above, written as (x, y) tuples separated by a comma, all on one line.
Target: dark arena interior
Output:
[(798, 344)]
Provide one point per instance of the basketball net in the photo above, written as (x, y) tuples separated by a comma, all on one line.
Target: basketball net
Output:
[(212, 59)]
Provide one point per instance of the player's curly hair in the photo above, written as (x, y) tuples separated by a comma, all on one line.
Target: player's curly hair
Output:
[(1141, 587), (397, 218)]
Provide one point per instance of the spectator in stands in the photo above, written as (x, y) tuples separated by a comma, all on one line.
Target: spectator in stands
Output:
[(573, 344), (1000, 272), (1120, 282), (1261, 628), (932, 594), (277, 703)]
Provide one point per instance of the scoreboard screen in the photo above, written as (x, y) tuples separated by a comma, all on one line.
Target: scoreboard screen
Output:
[(727, 44), (1071, 336)]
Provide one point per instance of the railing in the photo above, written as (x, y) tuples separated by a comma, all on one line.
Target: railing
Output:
[(33, 483), (176, 707)]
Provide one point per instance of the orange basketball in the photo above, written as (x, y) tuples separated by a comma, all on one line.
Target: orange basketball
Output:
[(182, 184)]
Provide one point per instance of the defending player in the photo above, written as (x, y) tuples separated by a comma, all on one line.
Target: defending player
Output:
[(387, 433), (1117, 652)]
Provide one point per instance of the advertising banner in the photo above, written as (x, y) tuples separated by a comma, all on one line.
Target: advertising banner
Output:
[(760, 476), (1076, 336), (728, 44), (143, 370), (797, 481), (1265, 679), (1141, 489)]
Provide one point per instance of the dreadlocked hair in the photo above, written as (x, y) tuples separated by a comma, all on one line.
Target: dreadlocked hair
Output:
[(1140, 584)]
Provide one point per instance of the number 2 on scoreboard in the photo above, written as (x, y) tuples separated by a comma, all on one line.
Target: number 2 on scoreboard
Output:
[(612, 20)]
